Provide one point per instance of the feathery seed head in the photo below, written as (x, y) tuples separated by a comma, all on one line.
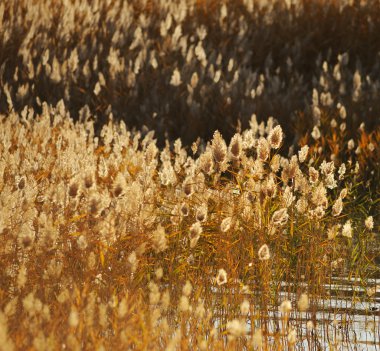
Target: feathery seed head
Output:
[(264, 253), (263, 149), (275, 137), (221, 278)]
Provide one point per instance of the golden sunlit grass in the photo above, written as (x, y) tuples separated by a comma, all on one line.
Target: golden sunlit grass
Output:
[(112, 243), (234, 236)]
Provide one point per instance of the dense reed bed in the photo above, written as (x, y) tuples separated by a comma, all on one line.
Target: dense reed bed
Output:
[(113, 243), (189, 175)]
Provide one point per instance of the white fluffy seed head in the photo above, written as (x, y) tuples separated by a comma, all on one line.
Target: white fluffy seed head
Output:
[(201, 213), (302, 154), (184, 303), (159, 272), (337, 207), (285, 307), (236, 328), (347, 229), (175, 80), (280, 217), (316, 133), (263, 149), (219, 150), (226, 224), (303, 302), (195, 230), (369, 223), (264, 253), (236, 146), (221, 278), (309, 325), (275, 137)]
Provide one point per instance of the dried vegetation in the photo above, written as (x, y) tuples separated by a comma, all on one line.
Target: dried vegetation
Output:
[(115, 240)]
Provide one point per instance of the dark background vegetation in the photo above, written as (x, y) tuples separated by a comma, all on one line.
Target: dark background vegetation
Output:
[(321, 32)]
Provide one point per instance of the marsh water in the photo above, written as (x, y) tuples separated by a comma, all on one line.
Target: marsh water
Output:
[(348, 319)]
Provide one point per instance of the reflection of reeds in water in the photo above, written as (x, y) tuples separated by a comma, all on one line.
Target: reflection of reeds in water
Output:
[(340, 318)]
